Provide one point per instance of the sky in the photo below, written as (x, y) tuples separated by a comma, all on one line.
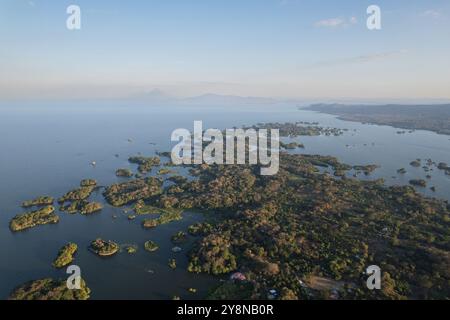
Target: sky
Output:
[(305, 49)]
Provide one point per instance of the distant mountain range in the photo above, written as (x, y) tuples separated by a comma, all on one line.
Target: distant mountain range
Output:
[(157, 96)]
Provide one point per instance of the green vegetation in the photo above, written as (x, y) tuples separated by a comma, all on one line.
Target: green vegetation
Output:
[(368, 169), (131, 191), (296, 129), (200, 229), (104, 248), (40, 201), (88, 183), (31, 219), (172, 263), (445, 167), (151, 246), (145, 163), (81, 193), (232, 291), (291, 146), (164, 218), (415, 163), (143, 209), (418, 183), (90, 207), (131, 249), (49, 289), (179, 237), (126, 173), (416, 117), (65, 255), (302, 233), (82, 206), (177, 179), (164, 171)]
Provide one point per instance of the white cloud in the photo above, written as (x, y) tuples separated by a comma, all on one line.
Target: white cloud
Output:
[(432, 14), (336, 22), (330, 23)]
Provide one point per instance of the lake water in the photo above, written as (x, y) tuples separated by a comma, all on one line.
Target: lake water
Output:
[(47, 150)]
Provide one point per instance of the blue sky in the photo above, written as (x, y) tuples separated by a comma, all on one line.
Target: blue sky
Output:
[(278, 48)]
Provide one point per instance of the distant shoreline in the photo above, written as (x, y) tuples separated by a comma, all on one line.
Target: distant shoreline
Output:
[(435, 118)]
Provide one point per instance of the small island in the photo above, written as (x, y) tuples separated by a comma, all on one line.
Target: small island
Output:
[(418, 183), (291, 146), (83, 207), (31, 219), (297, 129), (434, 118), (81, 193), (124, 173), (88, 183), (104, 248), (131, 249), (65, 255), (38, 202), (145, 163), (179, 237), (164, 218), (123, 193), (151, 246), (415, 163)]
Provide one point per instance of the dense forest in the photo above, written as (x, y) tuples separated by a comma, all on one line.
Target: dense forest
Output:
[(414, 117)]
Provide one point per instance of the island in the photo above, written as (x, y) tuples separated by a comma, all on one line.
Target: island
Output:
[(179, 237), (88, 183), (38, 202), (31, 219), (304, 223), (65, 255), (49, 289), (125, 173), (415, 163), (83, 207), (145, 163), (172, 264), (124, 193), (418, 183), (151, 246), (308, 232)]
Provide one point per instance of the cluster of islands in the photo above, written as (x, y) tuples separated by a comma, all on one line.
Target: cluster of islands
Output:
[(304, 233)]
